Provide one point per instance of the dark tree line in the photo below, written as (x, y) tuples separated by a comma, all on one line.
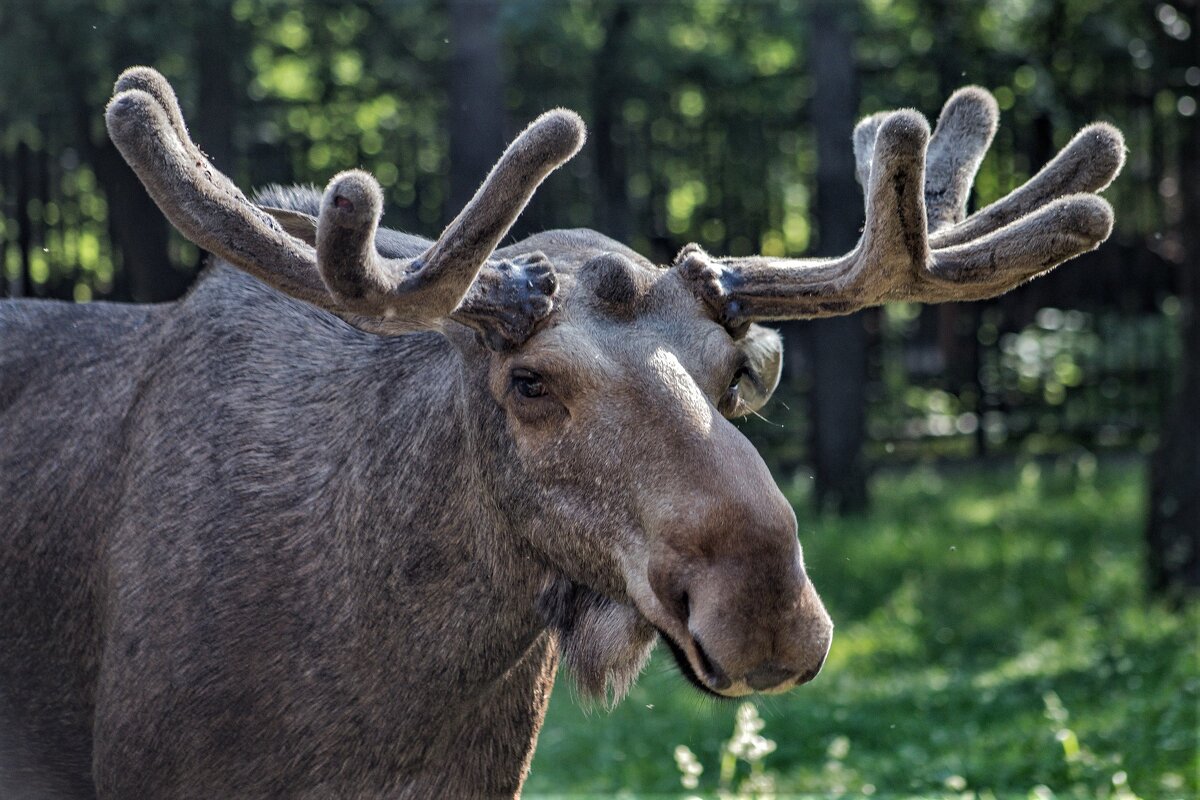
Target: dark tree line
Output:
[(1173, 519)]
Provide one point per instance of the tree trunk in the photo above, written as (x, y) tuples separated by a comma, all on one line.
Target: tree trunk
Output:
[(6, 188), (1173, 529), (608, 155), (220, 51), (476, 113), (837, 346), (1173, 525), (139, 232), (219, 54), (21, 284)]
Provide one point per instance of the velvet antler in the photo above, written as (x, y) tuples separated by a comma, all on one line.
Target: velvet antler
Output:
[(344, 273), (916, 244)]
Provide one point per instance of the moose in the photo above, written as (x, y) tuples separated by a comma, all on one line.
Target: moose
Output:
[(326, 526)]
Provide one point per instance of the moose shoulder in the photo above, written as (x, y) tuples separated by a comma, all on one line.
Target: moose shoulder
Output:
[(326, 526)]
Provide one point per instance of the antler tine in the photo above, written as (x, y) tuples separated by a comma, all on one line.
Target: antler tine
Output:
[(145, 123), (436, 282), (1052, 218), (864, 146), (1036, 243), (154, 84), (964, 132), (1088, 164)]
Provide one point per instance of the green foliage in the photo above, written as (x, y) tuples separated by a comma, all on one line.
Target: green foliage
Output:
[(709, 98), (993, 641), (353, 85), (1068, 379)]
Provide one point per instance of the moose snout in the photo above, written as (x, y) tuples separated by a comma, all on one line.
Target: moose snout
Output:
[(745, 625), (729, 590)]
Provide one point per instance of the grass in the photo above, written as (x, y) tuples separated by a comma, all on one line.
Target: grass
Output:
[(993, 640)]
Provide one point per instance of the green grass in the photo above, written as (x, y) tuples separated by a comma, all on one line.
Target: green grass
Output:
[(993, 640)]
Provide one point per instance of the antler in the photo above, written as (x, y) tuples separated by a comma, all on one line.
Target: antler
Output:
[(916, 244), (344, 273)]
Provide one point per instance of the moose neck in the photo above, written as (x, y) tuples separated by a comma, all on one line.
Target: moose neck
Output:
[(449, 622), (417, 657)]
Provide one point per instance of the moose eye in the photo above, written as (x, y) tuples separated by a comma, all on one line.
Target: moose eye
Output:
[(732, 397), (528, 383)]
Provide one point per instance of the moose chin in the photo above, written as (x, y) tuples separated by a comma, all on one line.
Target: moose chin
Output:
[(326, 526)]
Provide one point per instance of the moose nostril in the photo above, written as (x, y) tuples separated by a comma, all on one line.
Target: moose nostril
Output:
[(715, 676), (767, 676), (683, 606)]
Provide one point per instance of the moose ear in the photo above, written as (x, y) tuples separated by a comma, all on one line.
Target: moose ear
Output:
[(764, 358), (297, 223)]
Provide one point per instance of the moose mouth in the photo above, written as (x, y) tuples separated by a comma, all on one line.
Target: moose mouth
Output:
[(714, 675)]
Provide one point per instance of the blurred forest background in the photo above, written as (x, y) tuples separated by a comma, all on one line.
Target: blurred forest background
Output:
[(1067, 405)]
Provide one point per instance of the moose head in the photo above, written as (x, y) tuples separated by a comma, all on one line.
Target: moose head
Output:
[(600, 386)]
